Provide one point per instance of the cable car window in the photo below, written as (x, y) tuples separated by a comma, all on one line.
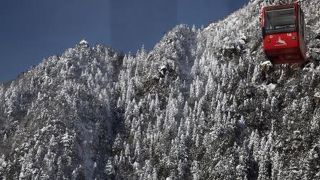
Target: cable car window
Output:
[(282, 20)]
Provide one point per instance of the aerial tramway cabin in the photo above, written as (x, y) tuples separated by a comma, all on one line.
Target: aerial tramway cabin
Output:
[(283, 30)]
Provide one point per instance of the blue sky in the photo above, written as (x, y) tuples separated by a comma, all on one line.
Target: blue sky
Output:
[(32, 30)]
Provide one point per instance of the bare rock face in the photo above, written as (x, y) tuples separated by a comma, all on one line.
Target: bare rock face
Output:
[(201, 105)]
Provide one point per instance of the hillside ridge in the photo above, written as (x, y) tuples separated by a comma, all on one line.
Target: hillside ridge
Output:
[(197, 106)]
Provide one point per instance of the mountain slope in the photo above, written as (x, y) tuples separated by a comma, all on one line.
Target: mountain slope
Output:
[(198, 106)]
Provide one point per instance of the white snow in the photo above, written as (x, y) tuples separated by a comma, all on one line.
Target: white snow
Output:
[(317, 95), (269, 88), (83, 42)]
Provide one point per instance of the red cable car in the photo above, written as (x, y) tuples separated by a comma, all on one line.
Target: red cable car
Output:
[(283, 33)]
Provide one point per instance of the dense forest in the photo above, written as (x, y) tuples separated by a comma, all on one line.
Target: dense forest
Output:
[(199, 105)]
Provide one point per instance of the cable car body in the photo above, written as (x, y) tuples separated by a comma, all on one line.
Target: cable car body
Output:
[(283, 31)]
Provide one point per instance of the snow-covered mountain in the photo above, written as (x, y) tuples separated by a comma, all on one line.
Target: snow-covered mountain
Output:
[(197, 106)]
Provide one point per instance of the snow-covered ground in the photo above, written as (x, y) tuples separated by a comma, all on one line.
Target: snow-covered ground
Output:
[(203, 104)]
